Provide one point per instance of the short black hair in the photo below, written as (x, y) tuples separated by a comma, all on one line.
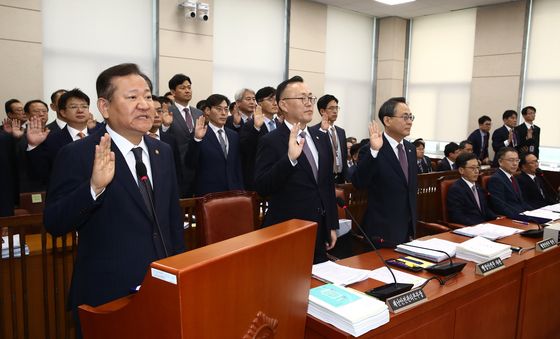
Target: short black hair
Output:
[(8, 105), (354, 149), (75, 93), (232, 105), (104, 84), (201, 104), (483, 119), (419, 142), (503, 151), (282, 87), (165, 100), (464, 143), (388, 108), (30, 102), (508, 113), (264, 93), (463, 158), (323, 101), (526, 109), (215, 100), (450, 148), (176, 80), (55, 93), (523, 157)]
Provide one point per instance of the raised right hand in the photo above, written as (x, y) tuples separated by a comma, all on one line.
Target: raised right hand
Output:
[(36, 134), (200, 128), (258, 117), (295, 149), (103, 165), (375, 136)]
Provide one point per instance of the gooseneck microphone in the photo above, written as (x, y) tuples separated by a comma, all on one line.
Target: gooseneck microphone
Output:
[(540, 173), (387, 290), (142, 174)]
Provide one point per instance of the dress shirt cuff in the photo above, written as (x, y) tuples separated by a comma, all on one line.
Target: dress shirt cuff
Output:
[(93, 193), (374, 153), (197, 140), (258, 129), (293, 162), (165, 128), (506, 142), (31, 148)]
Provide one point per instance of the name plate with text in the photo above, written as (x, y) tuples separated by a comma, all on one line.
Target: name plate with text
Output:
[(545, 245), (489, 267), (406, 300)]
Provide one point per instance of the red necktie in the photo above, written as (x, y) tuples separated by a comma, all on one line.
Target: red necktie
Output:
[(514, 184)]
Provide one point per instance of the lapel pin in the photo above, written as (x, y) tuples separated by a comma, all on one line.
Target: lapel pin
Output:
[(156, 151)]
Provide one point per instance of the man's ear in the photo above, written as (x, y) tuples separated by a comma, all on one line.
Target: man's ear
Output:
[(103, 107)]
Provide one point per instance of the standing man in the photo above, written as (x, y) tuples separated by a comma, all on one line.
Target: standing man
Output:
[(505, 136), (328, 106), (294, 168), (479, 139), (529, 134), (245, 105), (533, 187), (387, 168), (97, 191), (58, 123), (184, 117)]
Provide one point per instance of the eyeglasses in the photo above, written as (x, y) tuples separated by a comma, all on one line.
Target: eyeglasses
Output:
[(304, 100), (75, 107), (405, 117), (221, 109), (159, 110), (473, 168), (334, 108), (271, 99), (514, 160)]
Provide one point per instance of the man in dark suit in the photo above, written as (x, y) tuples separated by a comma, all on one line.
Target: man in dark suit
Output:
[(214, 151), (451, 152), (528, 133), (245, 105), (423, 163), (328, 105), (262, 123), (466, 201), (479, 139), (8, 172), (505, 136), (58, 123), (184, 117), (294, 168), (503, 188), (387, 168), (533, 187), (96, 191)]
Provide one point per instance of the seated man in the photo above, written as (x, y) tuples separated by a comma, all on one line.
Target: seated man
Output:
[(423, 162), (466, 201), (451, 152), (505, 194), (533, 188)]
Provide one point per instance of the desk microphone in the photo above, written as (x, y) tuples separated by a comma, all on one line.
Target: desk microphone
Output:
[(439, 269), (540, 173), (142, 174), (528, 233), (387, 290)]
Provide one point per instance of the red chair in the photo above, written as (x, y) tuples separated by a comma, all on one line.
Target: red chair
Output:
[(429, 228), (444, 185)]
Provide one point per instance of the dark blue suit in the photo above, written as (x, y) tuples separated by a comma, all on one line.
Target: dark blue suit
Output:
[(9, 193), (498, 137), (528, 145), (479, 148), (462, 207), (425, 165), (215, 173), (444, 165), (391, 210), (341, 138), (115, 231), (531, 191), (41, 158), (292, 191), (503, 198)]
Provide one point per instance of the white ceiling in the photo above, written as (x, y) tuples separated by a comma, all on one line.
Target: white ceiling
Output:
[(408, 10)]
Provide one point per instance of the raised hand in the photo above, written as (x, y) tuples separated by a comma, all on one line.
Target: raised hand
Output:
[(103, 165), (166, 118), (7, 125), (236, 116), (325, 122), (36, 133), (91, 122), (375, 136), (529, 133), (200, 128), (295, 149), (510, 137), (17, 131), (258, 117)]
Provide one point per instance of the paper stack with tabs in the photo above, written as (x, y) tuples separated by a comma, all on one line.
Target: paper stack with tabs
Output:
[(480, 249)]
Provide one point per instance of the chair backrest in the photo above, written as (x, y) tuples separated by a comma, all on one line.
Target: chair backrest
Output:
[(429, 228), (225, 215), (31, 203), (340, 194), (484, 182), (444, 188)]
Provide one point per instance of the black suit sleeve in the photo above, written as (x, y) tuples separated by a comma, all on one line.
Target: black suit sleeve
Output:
[(272, 168)]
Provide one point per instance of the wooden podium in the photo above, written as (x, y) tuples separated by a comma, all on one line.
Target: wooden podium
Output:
[(253, 285)]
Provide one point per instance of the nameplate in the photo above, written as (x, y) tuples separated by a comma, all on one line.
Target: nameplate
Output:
[(406, 300), (545, 245), (489, 267), (36, 198), (161, 275)]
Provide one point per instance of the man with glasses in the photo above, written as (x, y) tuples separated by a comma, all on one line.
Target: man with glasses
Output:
[(505, 194), (466, 201), (328, 106), (294, 168), (536, 192), (387, 169)]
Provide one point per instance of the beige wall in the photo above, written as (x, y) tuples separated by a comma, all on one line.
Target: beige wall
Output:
[(185, 46), (21, 60)]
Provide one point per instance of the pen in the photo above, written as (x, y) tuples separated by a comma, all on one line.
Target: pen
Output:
[(520, 222), (418, 262)]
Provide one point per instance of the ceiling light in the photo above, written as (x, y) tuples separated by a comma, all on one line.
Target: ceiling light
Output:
[(394, 2)]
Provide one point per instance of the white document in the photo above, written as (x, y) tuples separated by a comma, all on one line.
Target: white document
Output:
[(434, 243), (16, 244), (479, 249), (543, 213), (553, 208), (488, 231), (382, 274), (332, 272)]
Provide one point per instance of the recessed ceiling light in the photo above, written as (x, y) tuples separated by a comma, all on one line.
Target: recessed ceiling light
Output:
[(394, 2)]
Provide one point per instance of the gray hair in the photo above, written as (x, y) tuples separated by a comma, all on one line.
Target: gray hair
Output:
[(239, 94)]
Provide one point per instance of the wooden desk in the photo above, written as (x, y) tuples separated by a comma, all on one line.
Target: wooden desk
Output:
[(519, 301)]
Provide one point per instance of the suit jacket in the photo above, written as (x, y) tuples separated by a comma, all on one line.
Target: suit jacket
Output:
[(479, 148), (292, 191), (528, 145), (341, 138), (9, 194), (41, 158), (444, 165), (498, 137), (215, 172), (53, 126), (28, 181), (391, 209), (531, 191), (462, 207), (425, 165), (169, 138), (230, 125), (115, 231), (503, 198), (181, 132)]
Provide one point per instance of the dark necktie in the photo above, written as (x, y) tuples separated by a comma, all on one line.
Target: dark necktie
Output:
[(513, 138), (539, 187), (514, 184), (137, 151), (335, 145), (403, 161), (476, 198), (222, 141), (188, 119), (309, 155)]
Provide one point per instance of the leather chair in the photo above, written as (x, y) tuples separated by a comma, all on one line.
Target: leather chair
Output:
[(484, 182), (444, 185), (429, 228), (339, 192), (225, 215)]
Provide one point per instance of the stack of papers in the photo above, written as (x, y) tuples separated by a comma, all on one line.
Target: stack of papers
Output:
[(349, 310), (480, 249), (488, 231), (17, 247), (434, 243), (543, 213), (553, 208), (331, 272)]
